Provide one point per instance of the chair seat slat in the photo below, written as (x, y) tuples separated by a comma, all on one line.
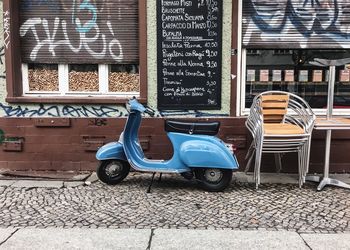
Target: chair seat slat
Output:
[(265, 98), (274, 112), (282, 129)]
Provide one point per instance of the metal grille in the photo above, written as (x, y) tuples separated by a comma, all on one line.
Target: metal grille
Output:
[(296, 23), (79, 31)]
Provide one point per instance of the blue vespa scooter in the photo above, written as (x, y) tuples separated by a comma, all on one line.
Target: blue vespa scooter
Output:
[(197, 153)]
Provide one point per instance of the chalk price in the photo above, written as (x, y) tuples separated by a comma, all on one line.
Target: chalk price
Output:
[(211, 64), (210, 53), (211, 45)]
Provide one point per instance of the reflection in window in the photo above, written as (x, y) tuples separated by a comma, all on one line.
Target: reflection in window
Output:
[(290, 70)]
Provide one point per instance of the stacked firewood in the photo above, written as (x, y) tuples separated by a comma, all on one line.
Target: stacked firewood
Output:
[(83, 81), (43, 80), (47, 80), (123, 82)]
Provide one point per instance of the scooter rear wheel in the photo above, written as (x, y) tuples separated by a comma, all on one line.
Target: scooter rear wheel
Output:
[(213, 179), (112, 172)]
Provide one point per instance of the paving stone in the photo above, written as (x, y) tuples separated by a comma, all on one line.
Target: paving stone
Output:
[(91, 179), (225, 239), (6, 182), (340, 241), (177, 203), (69, 184), (5, 233), (80, 177), (37, 184), (78, 239)]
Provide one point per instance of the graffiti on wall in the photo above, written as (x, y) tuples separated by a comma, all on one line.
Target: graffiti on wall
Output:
[(113, 48), (42, 110), (2, 63), (6, 28), (298, 20), (87, 28), (61, 111)]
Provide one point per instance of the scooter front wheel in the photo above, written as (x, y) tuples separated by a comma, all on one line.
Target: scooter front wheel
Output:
[(213, 179), (112, 172)]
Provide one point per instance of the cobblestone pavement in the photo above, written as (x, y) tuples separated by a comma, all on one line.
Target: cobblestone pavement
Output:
[(177, 203)]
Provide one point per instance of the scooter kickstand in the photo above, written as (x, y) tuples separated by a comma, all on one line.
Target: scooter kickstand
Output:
[(160, 177), (150, 185)]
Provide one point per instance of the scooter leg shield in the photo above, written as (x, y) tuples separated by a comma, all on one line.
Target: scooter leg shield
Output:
[(112, 150), (202, 154)]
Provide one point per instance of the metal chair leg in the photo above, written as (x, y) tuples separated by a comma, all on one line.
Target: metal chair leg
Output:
[(249, 163), (300, 167), (258, 155), (278, 162), (249, 151)]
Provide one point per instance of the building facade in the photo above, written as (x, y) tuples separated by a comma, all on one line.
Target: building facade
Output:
[(68, 67)]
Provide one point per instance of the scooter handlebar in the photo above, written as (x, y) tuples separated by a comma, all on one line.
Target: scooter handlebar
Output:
[(150, 111)]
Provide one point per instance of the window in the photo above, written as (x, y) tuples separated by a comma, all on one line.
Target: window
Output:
[(290, 70), (77, 51)]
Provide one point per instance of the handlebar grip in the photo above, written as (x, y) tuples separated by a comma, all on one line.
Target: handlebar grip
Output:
[(149, 108), (150, 111)]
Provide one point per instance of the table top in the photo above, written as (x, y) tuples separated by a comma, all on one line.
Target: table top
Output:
[(340, 123)]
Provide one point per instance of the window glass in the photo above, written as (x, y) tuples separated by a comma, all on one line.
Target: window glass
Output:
[(43, 77), (123, 78), (290, 70), (83, 77)]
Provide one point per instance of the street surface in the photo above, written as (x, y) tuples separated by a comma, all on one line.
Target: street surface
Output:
[(175, 203)]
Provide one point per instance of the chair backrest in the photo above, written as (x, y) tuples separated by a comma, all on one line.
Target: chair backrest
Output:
[(274, 107), (285, 107)]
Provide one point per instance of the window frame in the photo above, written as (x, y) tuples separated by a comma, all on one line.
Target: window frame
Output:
[(15, 85), (63, 84)]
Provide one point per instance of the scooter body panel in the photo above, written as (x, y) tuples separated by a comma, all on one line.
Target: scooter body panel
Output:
[(202, 151), (112, 150)]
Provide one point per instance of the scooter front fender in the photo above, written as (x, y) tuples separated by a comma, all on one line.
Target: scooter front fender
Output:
[(112, 150), (206, 154)]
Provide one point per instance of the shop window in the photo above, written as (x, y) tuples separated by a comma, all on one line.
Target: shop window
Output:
[(83, 50), (291, 71)]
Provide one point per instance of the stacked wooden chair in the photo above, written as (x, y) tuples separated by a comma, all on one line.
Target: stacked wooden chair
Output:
[(280, 122)]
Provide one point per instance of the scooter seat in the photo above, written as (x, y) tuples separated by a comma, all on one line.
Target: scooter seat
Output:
[(202, 128)]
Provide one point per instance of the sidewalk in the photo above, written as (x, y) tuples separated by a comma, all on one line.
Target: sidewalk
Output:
[(147, 239), (39, 214)]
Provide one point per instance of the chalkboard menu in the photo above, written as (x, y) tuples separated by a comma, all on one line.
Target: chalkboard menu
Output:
[(189, 54)]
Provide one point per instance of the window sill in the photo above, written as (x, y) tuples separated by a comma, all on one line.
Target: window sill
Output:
[(71, 100)]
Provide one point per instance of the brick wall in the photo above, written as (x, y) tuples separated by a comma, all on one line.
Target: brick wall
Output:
[(71, 143)]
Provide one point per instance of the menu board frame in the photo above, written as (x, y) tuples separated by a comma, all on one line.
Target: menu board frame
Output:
[(176, 90)]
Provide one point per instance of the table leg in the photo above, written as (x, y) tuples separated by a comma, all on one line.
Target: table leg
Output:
[(326, 180), (327, 154), (333, 182)]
